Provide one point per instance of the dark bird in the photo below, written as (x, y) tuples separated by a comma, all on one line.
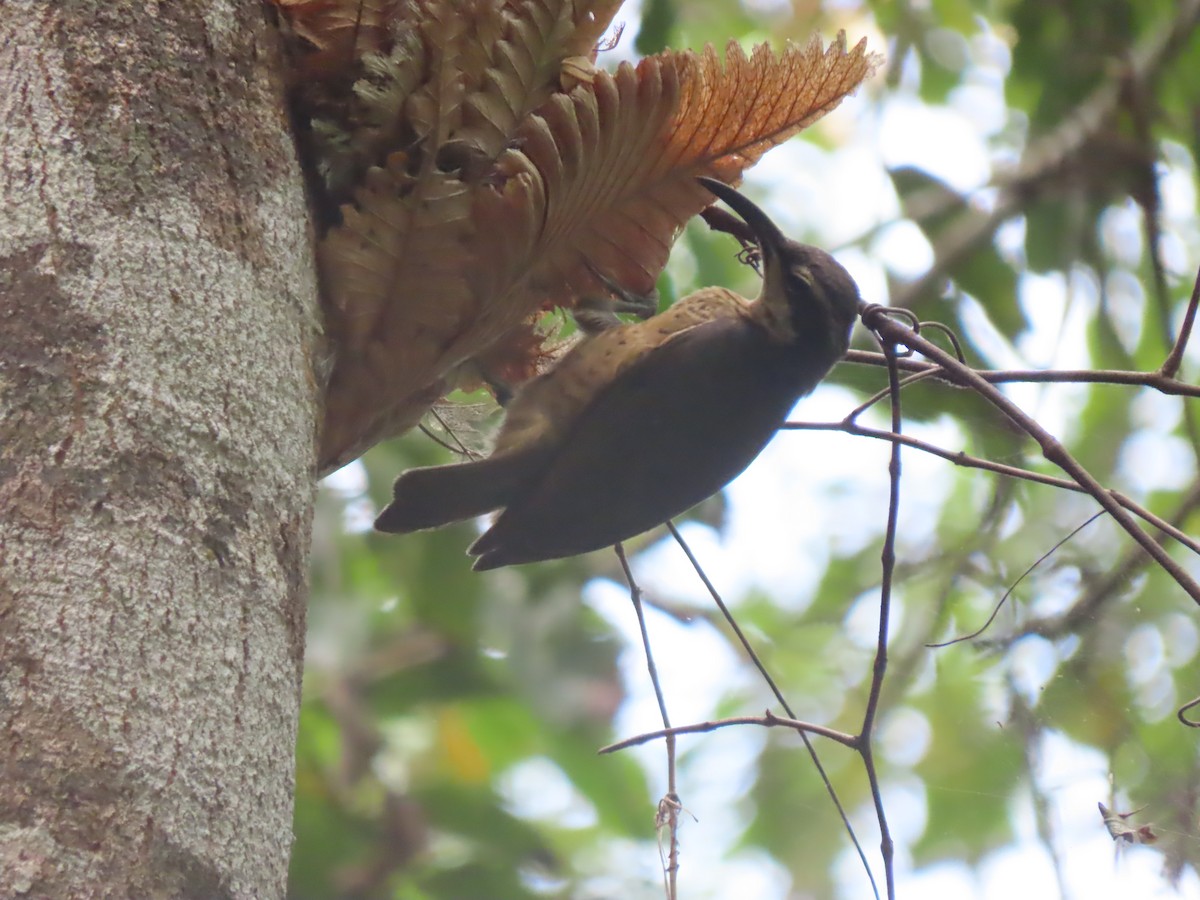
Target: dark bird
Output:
[(642, 421)]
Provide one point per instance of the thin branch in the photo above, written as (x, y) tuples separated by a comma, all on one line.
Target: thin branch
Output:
[(1094, 376), (445, 445), (672, 804), (1000, 605), (1163, 525), (1052, 449), (746, 646), (1088, 606), (730, 620), (461, 449), (875, 398), (1156, 380), (958, 457), (1170, 366), (1182, 713), (879, 669), (961, 458), (767, 720)]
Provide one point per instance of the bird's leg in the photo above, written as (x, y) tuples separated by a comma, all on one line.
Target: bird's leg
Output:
[(596, 314), (641, 305)]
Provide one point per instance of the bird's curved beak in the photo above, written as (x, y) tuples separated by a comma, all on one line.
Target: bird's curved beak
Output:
[(770, 238)]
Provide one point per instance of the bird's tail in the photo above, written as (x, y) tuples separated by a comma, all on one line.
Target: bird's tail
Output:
[(427, 498)]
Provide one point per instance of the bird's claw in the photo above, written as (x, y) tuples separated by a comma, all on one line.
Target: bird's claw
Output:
[(623, 301)]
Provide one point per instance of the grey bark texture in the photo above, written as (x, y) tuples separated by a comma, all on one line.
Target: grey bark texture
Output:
[(159, 342)]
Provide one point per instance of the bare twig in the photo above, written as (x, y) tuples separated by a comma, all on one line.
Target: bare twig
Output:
[(729, 619), (767, 720), (460, 448), (1162, 383), (719, 219), (672, 802), (879, 670), (749, 649), (1170, 366), (1182, 713), (1052, 449), (445, 445), (1086, 608), (960, 458), (875, 398), (1000, 605)]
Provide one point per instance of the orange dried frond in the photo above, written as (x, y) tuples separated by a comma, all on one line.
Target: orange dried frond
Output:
[(731, 114), (616, 159), (330, 24)]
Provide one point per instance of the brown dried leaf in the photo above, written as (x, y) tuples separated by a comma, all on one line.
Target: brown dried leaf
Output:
[(394, 273), (340, 31), (540, 35), (460, 40), (520, 356), (445, 80)]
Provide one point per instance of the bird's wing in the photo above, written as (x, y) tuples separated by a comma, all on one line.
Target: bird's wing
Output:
[(546, 407), (670, 430)]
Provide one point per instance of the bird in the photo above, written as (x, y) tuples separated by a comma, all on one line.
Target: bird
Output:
[(641, 421)]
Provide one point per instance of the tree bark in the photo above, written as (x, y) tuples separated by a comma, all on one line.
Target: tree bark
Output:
[(159, 340)]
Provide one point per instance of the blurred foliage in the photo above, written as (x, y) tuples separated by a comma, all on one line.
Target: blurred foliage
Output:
[(450, 721)]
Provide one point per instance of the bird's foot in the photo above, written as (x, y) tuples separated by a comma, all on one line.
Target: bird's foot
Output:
[(596, 314)]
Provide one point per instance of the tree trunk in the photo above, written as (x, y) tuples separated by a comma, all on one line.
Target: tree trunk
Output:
[(158, 400)]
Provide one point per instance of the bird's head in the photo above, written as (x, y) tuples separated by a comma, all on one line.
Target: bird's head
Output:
[(804, 288)]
